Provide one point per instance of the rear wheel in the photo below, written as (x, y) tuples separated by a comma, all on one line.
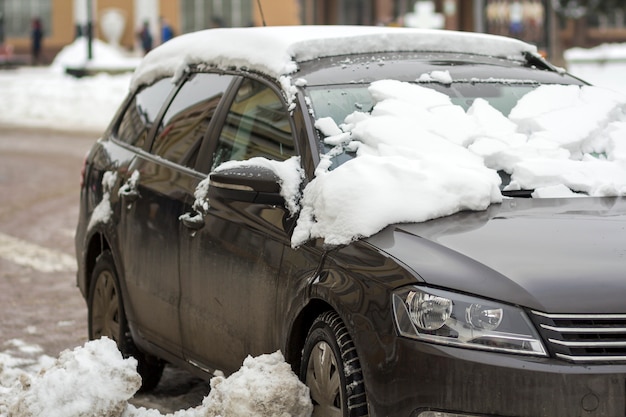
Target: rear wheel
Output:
[(332, 371), (106, 318)]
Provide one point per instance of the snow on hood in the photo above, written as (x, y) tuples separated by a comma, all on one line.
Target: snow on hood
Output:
[(275, 51), (95, 380)]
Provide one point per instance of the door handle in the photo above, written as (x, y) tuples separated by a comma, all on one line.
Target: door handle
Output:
[(193, 221), (129, 194), (129, 191)]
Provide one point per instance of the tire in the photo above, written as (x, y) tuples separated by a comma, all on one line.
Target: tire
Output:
[(330, 353), (106, 317)]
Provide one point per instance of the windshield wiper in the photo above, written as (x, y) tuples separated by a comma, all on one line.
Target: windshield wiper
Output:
[(518, 193), (506, 180), (538, 61)]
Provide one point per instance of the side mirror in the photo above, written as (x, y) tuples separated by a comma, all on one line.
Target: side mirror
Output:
[(253, 184)]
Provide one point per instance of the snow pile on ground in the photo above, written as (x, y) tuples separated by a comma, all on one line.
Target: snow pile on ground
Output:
[(264, 386), (95, 381), (48, 97), (43, 98), (604, 52), (16, 363), (103, 56)]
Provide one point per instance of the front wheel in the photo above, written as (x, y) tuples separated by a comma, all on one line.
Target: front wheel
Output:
[(332, 371), (106, 318)]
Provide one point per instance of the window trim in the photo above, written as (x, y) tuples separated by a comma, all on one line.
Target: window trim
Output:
[(207, 149), (207, 134), (113, 130)]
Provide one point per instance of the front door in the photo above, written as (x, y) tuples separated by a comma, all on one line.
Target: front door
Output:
[(230, 266)]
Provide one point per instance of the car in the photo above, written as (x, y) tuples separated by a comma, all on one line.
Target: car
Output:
[(425, 223)]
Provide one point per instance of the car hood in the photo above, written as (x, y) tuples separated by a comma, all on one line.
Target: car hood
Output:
[(552, 255)]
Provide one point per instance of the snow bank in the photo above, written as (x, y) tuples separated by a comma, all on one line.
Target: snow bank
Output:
[(104, 56), (603, 66), (47, 97), (41, 97), (95, 381), (604, 52)]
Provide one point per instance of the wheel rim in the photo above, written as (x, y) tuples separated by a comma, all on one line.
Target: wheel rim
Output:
[(324, 382), (105, 309)]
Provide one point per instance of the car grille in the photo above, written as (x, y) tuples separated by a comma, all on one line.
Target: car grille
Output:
[(584, 338)]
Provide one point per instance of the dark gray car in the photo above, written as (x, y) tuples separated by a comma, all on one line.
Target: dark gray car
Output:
[(515, 310)]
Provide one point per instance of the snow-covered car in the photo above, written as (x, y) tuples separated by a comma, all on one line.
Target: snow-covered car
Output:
[(424, 223)]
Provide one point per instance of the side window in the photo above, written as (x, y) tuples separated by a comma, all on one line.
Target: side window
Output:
[(142, 112), (257, 124), (187, 119)]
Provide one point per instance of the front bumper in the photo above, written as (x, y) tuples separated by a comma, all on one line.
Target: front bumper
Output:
[(416, 377)]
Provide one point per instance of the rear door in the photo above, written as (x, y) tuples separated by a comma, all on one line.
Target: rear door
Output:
[(158, 184), (230, 266)]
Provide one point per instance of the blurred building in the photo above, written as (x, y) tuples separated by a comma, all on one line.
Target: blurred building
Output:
[(64, 20), (534, 21)]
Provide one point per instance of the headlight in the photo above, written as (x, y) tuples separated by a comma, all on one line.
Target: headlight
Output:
[(454, 319)]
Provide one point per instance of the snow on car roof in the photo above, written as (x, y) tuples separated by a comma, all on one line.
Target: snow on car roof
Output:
[(276, 50)]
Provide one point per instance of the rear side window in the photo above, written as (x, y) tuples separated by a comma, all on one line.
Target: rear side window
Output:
[(187, 119), (142, 112), (257, 124)]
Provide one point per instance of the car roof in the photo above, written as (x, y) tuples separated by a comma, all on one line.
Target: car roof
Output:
[(277, 51)]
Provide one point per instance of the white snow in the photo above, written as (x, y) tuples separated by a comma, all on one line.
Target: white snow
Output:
[(418, 156), (289, 173), (103, 211), (277, 50), (442, 77), (94, 380), (97, 372), (603, 66), (104, 56)]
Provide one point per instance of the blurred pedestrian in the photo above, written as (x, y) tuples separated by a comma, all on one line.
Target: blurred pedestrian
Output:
[(145, 37), (167, 32), (36, 41)]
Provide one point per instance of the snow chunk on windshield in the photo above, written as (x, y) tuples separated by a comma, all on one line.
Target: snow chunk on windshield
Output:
[(442, 77), (419, 156), (410, 167), (568, 115), (365, 194)]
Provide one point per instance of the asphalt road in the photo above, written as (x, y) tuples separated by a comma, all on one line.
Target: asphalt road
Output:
[(39, 302)]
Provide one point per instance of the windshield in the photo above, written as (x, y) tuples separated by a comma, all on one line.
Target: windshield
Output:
[(543, 140)]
